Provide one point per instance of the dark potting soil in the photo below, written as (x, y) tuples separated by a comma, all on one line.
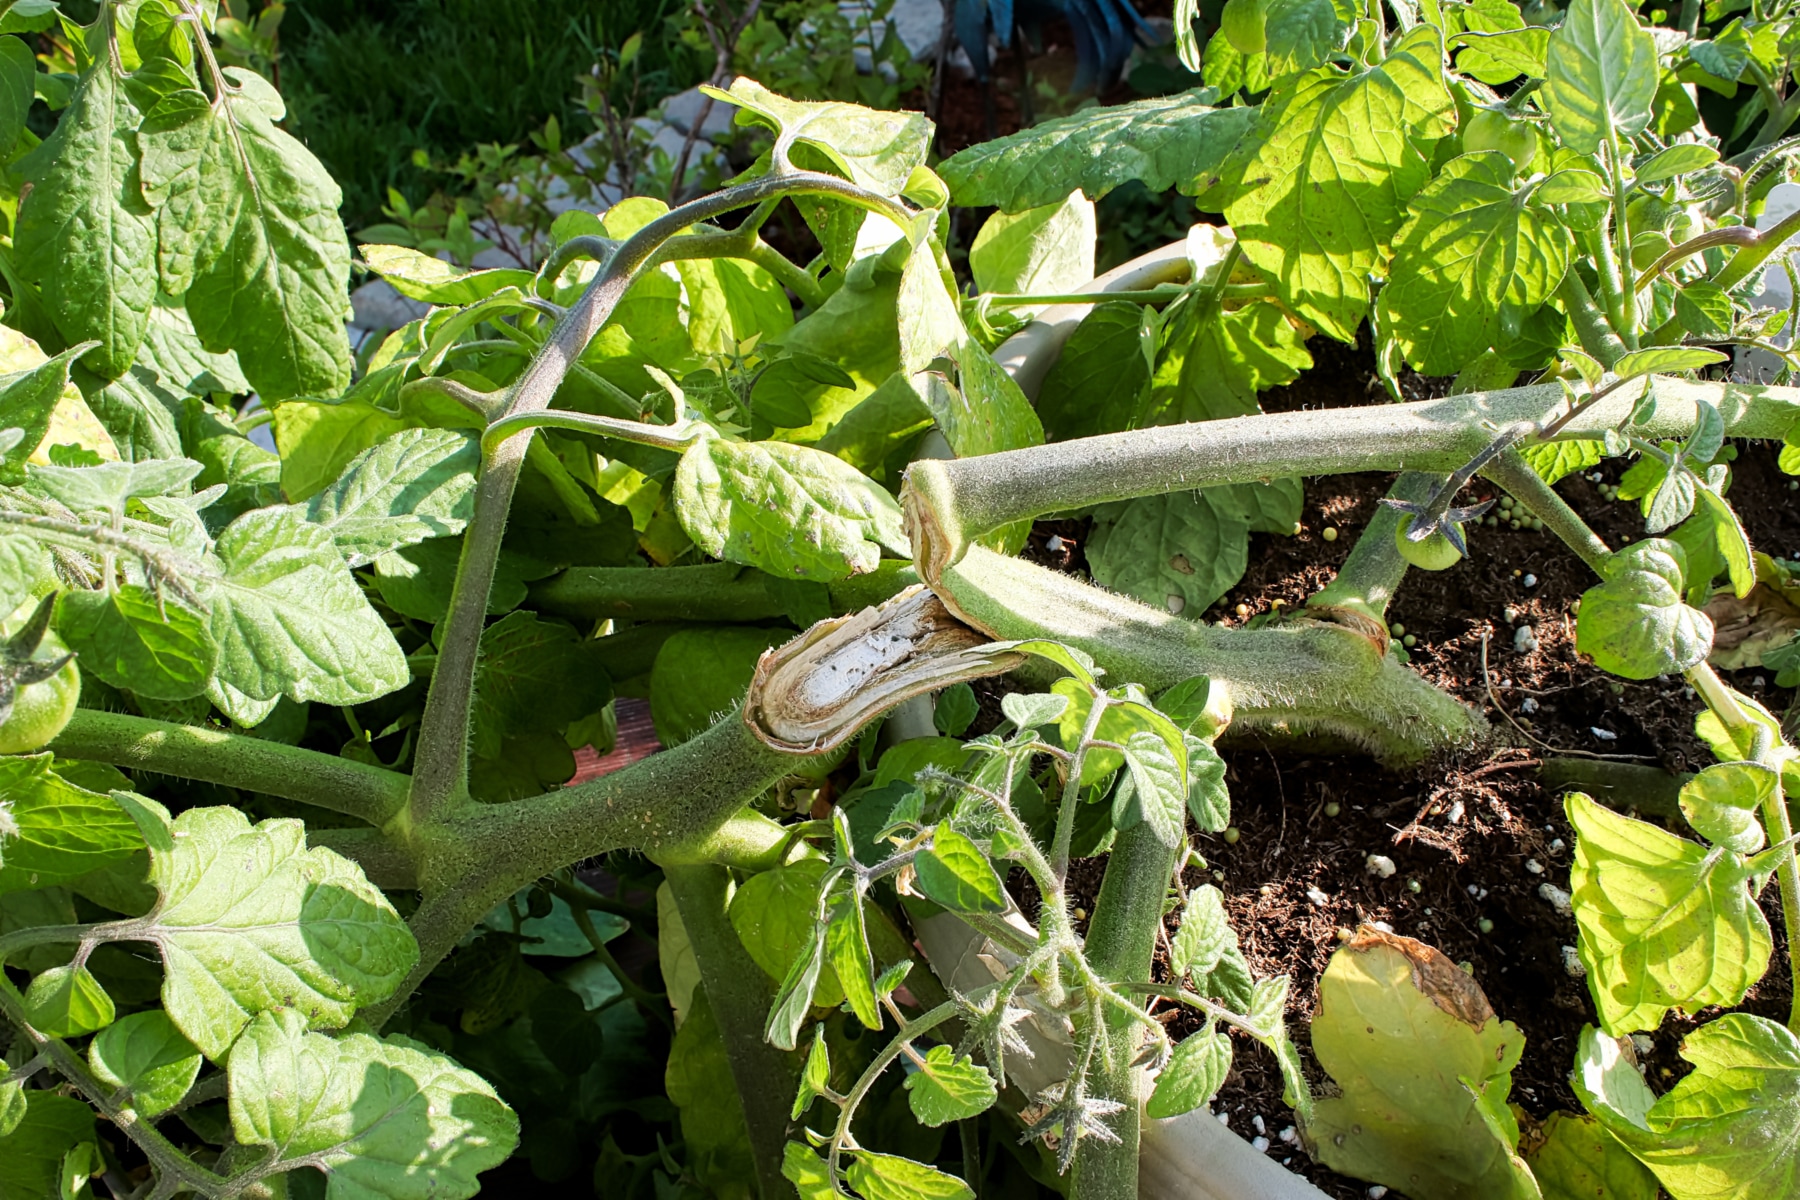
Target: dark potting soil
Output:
[(1469, 829)]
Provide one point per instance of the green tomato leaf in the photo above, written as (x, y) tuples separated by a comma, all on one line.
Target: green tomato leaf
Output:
[(318, 441), (949, 1087), (1635, 624), (775, 914), (290, 619), (55, 832), (847, 948), (1301, 34), (1579, 1160), (1214, 363), (13, 1102), (1208, 797), (414, 485), (31, 1156), (420, 276), (248, 919), (162, 651), (106, 488), (1041, 250), (1321, 186), (1204, 936), (1728, 536), (1471, 263), (795, 997), (700, 673), (1163, 141), (887, 1177), (534, 676), (386, 1118), (84, 236), (1180, 552), (1664, 923), (1415, 1049), (1601, 74), (67, 1002), (1503, 55), (1155, 790), (1193, 1074), (1553, 460), (1029, 710), (146, 1054), (1098, 382), (416, 581), (807, 1172), (1722, 803), (18, 71), (875, 149), (699, 1083), (815, 1076), (955, 710), (1667, 360), (248, 233), (1727, 1131), (785, 509), (30, 396), (953, 872)]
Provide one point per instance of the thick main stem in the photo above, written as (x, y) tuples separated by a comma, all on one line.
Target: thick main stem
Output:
[(441, 777), (952, 503), (1121, 941), (712, 592), (740, 994), (1371, 575), (323, 780)]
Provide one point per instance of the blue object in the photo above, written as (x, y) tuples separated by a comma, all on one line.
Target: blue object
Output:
[(1104, 31)]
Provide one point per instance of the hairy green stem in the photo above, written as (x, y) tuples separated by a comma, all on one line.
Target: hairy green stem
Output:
[(638, 433), (950, 503), (902, 1040), (1591, 324), (1304, 678), (748, 245), (1121, 940), (668, 803), (739, 994), (1625, 318), (440, 779), (1367, 581), (323, 780), (712, 592), (1512, 472)]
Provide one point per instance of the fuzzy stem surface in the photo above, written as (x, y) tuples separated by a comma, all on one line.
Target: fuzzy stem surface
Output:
[(323, 780)]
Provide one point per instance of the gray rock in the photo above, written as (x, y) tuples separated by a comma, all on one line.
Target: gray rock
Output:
[(683, 109), (378, 306)]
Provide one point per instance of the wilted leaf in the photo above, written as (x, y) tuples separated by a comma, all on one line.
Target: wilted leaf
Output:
[(1418, 1053), (1579, 1160)]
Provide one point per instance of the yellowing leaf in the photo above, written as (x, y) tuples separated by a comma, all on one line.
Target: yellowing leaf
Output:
[(1424, 1066)]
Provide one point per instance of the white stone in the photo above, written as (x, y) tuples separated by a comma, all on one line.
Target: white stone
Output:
[(1316, 896), (1380, 864), (1528, 706), (1572, 963), (1605, 735), (1534, 866), (1260, 1145), (1558, 899)]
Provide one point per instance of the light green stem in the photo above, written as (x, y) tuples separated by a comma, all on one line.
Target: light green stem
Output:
[(1512, 472), (1372, 574), (253, 764), (711, 592)]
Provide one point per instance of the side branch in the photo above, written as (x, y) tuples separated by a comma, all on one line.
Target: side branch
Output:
[(322, 780)]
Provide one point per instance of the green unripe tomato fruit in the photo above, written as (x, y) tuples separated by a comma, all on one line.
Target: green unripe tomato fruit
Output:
[(40, 710), (1490, 130), (1435, 553), (1244, 23)]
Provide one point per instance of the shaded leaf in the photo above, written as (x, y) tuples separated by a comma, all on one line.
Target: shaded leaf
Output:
[(411, 486), (61, 832), (146, 1054), (67, 1002), (386, 1117), (1579, 1160), (164, 652), (887, 1177)]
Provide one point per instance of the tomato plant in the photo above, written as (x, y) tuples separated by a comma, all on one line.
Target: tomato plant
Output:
[(784, 503)]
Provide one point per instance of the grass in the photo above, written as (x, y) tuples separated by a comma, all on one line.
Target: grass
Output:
[(370, 82)]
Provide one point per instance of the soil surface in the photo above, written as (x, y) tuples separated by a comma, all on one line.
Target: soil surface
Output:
[(1478, 834)]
